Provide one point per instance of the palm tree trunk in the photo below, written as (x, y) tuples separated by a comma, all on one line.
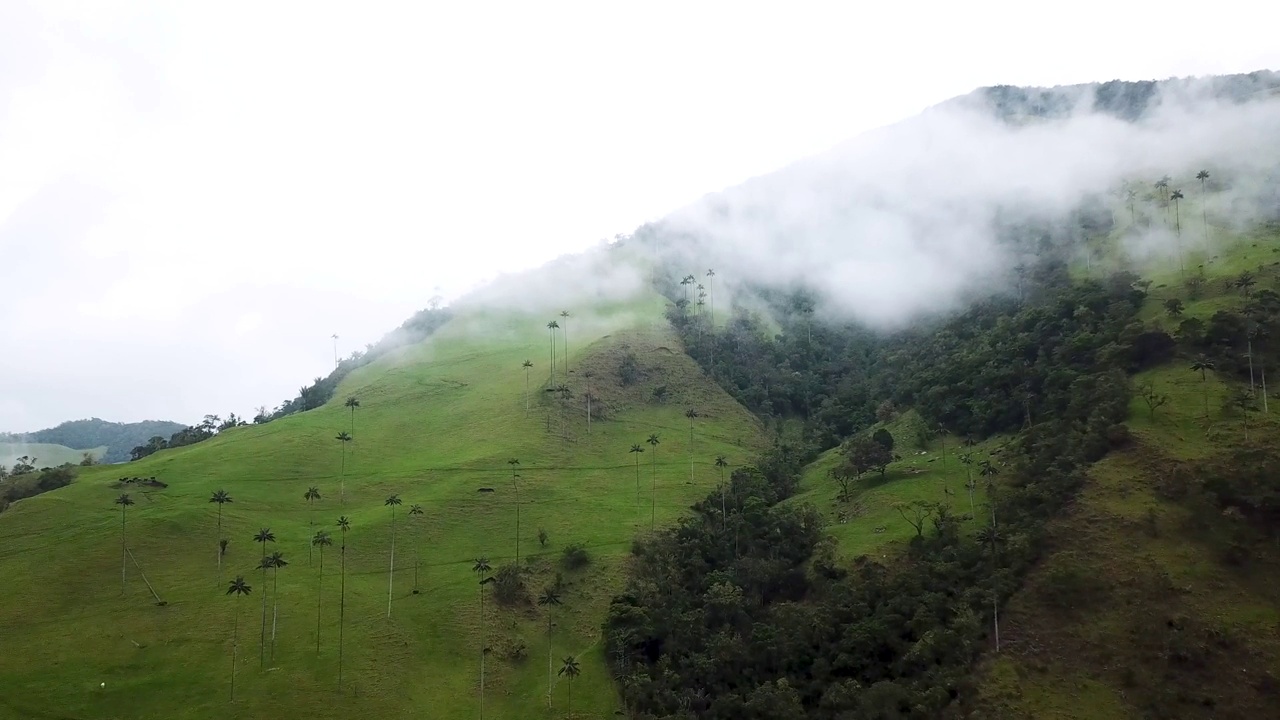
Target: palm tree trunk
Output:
[(1205, 383), (124, 553), (549, 666), (1249, 349), (526, 392), (342, 476), (566, 349), (262, 640), (516, 485), (275, 609), (1263, 368), (311, 521), (637, 478), (995, 607), (1204, 211), (691, 450), (319, 600), (235, 644), (569, 713), (482, 651), (219, 537), (342, 605), (391, 573), (653, 495)]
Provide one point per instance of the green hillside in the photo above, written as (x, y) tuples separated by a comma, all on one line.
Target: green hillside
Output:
[(46, 454), (437, 422)]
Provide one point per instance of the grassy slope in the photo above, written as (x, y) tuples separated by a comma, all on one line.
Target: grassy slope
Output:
[(437, 422), (1154, 578), (47, 455)]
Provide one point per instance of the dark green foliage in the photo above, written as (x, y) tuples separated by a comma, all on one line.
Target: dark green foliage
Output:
[(628, 369), (508, 586), (32, 484), (884, 438), (753, 618), (574, 557), (85, 434)]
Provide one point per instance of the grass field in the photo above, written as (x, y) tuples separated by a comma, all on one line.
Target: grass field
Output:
[(437, 422), (47, 455)]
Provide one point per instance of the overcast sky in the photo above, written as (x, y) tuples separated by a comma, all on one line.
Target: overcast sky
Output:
[(195, 196)]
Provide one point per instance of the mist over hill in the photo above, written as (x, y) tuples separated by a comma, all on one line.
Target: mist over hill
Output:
[(118, 438)]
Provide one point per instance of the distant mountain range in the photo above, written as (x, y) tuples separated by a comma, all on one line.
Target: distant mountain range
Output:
[(117, 438)]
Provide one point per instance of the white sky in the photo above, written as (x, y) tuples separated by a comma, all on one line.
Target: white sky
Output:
[(194, 196)]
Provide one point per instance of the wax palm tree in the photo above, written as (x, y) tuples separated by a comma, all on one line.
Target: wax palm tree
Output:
[(1177, 215), (990, 538), (711, 288), (1131, 196), (564, 315), (1245, 283), (352, 403), (570, 670), (415, 511), (1204, 202), (239, 589), (966, 459), (527, 365), (221, 498), (653, 496), (320, 540), (588, 375), (721, 464), (343, 437), (482, 568), (515, 485), (277, 561), (392, 502), (549, 599), (311, 495), (691, 414), (552, 327), (1203, 365), (636, 449), (124, 501), (344, 525), (262, 537), (335, 349)]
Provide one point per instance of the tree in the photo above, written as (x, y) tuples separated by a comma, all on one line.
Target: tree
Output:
[(691, 414), (311, 495), (239, 589), (1131, 196), (277, 561), (570, 670), (1174, 307), (966, 459), (335, 349), (1153, 399), (392, 502), (862, 454), (564, 315), (884, 437), (549, 599), (1202, 365), (1177, 214), (263, 537), (221, 498), (990, 537), (320, 540), (552, 327), (344, 438), (1245, 283), (481, 567), (915, 513), (352, 403), (527, 365), (711, 288), (124, 501), (653, 495), (636, 449), (415, 511), (588, 375), (1202, 176), (515, 485), (344, 525), (1243, 401), (721, 464)]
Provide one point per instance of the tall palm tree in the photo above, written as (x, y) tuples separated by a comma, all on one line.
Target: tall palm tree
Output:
[(636, 449), (1177, 215), (344, 525), (481, 567), (564, 314), (322, 541), (311, 495), (991, 538), (262, 537), (335, 349), (711, 349), (124, 501), (1204, 202), (721, 464), (588, 375), (515, 485), (1245, 283), (527, 365), (966, 459), (415, 511), (552, 327), (343, 437), (391, 502), (691, 414), (653, 496), (989, 471), (570, 670), (549, 599), (239, 589), (222, 498), (1131, 196), (277, 561), (352, 403), (1202, 365)]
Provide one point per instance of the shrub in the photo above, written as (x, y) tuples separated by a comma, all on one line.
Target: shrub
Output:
[(575, 556), (508, 586)]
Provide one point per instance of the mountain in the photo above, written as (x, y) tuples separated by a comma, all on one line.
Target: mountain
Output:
[(928, 443), (116, 438)]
